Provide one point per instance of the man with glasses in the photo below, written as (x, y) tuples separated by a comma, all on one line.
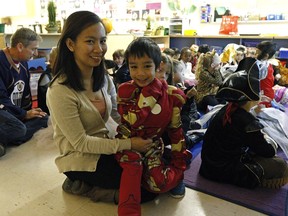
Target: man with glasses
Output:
[(18, 120)]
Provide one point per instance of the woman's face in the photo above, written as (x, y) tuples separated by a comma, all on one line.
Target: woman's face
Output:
[(142, 70), (90, 47)]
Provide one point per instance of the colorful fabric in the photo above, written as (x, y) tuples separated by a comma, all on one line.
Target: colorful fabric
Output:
[(281, 95), (208, 84)]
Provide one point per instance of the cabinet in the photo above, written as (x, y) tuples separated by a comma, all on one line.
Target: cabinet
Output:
[(2, 41), (176, 27), (162, 41), (223, 40)]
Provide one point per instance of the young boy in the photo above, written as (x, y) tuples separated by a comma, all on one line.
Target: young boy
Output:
[(121, 72), (44, 81), (265, 50), (250, 161), (149, 107)]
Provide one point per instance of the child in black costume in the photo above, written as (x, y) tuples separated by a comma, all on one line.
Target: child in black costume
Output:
[(235, 150)]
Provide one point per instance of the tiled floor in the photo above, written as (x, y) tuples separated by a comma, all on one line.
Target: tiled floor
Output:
[(30, 185)]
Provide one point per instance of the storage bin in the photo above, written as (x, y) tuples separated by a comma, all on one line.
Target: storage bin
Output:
[(2, 27), (283, 53), (278, 17), (190, 32), (218, 49), (250, 43), (271, 17)]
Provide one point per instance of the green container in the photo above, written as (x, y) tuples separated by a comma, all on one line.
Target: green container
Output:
[(2, 27)]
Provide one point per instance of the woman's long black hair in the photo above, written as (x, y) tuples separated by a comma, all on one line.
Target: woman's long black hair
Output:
[(65, 62)]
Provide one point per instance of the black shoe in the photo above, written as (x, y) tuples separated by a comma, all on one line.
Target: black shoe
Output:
[(2, 150)]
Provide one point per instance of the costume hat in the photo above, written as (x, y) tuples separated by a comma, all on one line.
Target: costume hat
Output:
[(243, 84)]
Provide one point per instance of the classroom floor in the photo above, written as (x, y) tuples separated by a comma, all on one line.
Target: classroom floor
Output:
[(31, 185)]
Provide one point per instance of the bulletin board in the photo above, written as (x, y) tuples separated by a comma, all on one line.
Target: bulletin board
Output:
[(113, 9)]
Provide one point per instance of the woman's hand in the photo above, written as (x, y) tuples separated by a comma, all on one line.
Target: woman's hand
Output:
[(141, 145), (35, 112)]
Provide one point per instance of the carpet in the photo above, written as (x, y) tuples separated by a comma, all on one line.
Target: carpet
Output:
[(267, 201)]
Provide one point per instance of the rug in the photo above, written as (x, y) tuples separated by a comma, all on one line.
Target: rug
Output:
[(267, 201)]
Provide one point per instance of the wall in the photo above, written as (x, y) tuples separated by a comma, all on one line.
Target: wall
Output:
[(241, 8)]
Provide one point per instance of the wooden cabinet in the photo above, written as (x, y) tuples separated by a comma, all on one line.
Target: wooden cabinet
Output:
[(162, 41), (2, 41)]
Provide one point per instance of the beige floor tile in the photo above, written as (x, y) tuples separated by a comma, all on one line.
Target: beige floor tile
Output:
[(31, 186)]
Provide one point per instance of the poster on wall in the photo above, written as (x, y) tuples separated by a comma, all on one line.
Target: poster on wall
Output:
[(114, 9), (135, 15), (145, 14)]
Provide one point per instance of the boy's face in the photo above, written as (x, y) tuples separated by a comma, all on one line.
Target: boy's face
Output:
[(176, 56), (239, 56), (142, 70), (118, 60), (187, 56), (163, 71), (178, 78), (259, 52)]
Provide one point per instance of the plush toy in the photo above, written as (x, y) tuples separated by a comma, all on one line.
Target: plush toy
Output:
[(283, 71)]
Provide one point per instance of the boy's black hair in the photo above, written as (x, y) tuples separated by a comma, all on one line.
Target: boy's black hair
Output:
[(144, 46), (266, 47), (176, 50), (203, 48), (169, 51)]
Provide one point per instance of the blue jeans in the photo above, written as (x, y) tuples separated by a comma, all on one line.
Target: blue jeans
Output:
[(15, 132)]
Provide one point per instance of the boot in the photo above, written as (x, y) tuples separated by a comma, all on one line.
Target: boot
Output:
[(130, 185), (76, 187), (98, 194)]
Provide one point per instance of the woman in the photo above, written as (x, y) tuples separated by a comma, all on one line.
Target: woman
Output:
[(82, 99)]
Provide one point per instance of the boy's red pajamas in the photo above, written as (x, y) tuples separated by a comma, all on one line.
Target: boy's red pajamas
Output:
[(148, 112)]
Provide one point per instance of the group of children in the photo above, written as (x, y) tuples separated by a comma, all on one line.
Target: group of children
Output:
[(152, 109), (201, 88)]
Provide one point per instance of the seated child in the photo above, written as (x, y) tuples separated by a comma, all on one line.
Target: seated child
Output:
[(44, 81), (265, 50), (172, 69), (185, 59), (165, 72), (208, 77), (177, 53), (149, 107), (121, 71), (118, 58), (189, 113), (235, 150)]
